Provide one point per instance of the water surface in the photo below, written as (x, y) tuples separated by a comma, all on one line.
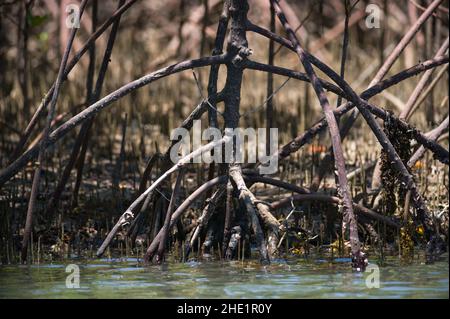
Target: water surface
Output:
[(295, 279)]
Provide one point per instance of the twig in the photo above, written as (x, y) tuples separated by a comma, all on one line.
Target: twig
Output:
[(434, 135), (266, 101), (428, 90), (421, 85), (201, 94)]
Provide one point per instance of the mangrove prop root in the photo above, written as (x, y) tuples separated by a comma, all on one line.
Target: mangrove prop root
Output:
[(235, 183), (358, 258)]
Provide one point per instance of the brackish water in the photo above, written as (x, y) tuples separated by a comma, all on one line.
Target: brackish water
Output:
[(298, 278)]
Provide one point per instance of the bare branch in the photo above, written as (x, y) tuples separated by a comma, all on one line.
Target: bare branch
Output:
[(358, 259), (86, 114)]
